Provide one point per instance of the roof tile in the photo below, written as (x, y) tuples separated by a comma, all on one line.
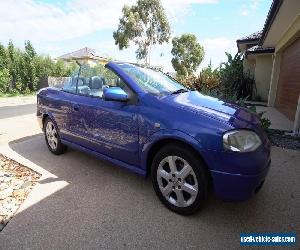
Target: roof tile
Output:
[(259, 50), (253, 37), (81, 53)]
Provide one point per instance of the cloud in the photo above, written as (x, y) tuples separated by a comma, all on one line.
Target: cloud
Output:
[(215, 49), (177, 9), (246, 9), (39, 22), (255, 4), (63, 27), (244, 13)]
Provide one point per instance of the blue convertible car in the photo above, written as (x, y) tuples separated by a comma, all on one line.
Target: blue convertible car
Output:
[(146, 122)]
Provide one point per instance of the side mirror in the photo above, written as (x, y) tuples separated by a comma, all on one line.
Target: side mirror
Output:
[(115, 94)]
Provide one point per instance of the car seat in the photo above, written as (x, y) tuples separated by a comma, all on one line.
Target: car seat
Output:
[(95, 84)]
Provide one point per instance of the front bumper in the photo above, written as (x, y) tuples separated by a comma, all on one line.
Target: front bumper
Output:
[(238, 187), (238, 176)]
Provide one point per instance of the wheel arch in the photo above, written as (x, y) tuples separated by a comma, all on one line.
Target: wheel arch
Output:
[(46, 114), (44, 119), (159, 141)]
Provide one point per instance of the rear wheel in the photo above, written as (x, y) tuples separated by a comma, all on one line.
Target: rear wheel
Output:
[(52, 137), (180, 179)]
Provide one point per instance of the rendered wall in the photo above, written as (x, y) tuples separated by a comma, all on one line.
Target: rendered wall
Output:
[(263, 71)]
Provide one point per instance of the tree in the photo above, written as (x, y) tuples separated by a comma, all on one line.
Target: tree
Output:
[(144, 23), (30, 79), (12, 64), (21, 71), (4, 74), (3, 57), (43, 66), (187, 54)]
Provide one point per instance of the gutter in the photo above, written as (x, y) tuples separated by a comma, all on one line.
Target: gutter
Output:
[(255, 41), (268, 50)]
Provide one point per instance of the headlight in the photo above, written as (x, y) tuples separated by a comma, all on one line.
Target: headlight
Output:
[(241, 140)]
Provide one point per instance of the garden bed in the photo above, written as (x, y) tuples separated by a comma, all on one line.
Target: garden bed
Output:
[(281, 139), (16, 182)]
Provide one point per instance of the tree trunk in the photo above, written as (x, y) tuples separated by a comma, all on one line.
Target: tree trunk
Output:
[(12, 85)]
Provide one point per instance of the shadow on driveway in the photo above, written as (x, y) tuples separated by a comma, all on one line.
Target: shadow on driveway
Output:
[(104, 206)]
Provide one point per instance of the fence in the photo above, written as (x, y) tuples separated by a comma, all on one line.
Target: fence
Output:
[(51, 81)]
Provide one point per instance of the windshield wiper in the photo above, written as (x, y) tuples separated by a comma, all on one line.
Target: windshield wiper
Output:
[(178, 91)]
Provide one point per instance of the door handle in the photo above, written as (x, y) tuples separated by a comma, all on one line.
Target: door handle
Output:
[(76, 107)]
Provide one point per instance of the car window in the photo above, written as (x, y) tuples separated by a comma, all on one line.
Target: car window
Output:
[(70, 84), (92, 80)]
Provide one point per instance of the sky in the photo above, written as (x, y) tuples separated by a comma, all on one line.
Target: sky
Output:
[(56, 27)]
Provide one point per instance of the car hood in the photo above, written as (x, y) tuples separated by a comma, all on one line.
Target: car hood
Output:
[(231, 114)]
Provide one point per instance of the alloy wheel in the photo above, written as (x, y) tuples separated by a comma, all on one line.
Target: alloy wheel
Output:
[(177, 181), (51, 135)]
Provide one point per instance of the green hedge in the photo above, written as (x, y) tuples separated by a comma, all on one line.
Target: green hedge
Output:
[(21, 71)]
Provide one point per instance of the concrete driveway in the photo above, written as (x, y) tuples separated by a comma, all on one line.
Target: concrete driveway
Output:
[(83, 202)]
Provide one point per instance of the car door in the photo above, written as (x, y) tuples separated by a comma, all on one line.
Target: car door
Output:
[(108, 127), (61, 106), (65, 116)]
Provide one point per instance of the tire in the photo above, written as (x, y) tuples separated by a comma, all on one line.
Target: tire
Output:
[(52, 137), (183, 185)]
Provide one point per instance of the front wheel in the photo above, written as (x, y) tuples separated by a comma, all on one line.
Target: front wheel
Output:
[(180, 179), (52, 138)]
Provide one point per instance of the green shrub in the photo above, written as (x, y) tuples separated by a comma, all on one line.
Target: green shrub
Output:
[(233, 79), (265, 122), (207, 80), (228, 82), (4, 80), (22, 71)]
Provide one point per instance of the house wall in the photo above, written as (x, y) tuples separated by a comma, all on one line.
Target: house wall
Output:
[(285, 30), (288, 12), (274, 79), (103, 62), (263, 70), (90, 62), (288, 89), (289, 36), (93, 62), (249, 66)]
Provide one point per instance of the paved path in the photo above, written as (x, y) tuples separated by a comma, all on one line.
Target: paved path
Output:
[(12, 111), (17, 100), (17, 118), (83, 202), (277, 119)]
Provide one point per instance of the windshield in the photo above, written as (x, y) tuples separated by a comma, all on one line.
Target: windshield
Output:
[(152, 81)]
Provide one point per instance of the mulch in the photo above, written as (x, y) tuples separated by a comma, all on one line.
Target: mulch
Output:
[(16, 182), (282, 139)]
